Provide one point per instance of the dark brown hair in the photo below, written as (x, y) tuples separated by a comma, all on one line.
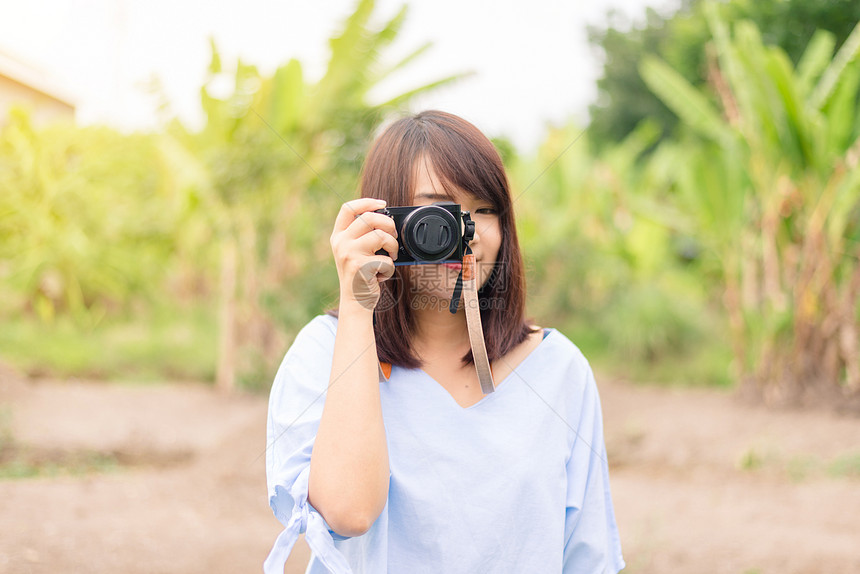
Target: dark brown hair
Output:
[(462, 157)]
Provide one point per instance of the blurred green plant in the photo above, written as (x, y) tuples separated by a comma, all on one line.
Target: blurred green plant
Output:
[(86, 223), (605, 266), (770, 184), (20, 463), (679, 36), (846, 465), (161, 341)]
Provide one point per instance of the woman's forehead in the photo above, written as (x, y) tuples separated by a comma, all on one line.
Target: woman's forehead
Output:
[(428, 185)]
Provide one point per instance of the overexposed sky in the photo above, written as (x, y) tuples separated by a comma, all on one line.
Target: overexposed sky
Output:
[(531, 60)]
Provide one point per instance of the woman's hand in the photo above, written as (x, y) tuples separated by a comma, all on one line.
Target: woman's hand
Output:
[(358, 234)]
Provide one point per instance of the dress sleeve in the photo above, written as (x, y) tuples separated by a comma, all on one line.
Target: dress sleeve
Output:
[(591, 536), (295, 407)]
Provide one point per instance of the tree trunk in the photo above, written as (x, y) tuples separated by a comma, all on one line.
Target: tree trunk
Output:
[(225, 377)]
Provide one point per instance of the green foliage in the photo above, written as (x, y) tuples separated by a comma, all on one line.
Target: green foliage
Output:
[(799, 467), (773, 187), (847, 465), (85, 220), (622, 98), (693, 107), (681, 40), (605, 267), (22, 464), (177, 343)]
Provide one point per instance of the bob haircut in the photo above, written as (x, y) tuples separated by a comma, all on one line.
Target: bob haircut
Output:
[(463, 159)]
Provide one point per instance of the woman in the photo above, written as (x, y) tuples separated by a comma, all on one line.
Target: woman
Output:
[(418, 471)]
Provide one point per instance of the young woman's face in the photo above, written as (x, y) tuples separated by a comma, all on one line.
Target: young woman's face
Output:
[(439, 280)]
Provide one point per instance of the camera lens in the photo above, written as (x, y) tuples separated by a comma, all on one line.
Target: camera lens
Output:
[(430, 233)]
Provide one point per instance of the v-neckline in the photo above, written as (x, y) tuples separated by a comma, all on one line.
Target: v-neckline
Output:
[(499, 384)]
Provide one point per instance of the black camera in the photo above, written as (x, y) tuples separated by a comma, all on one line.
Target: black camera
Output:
[(436, 233)]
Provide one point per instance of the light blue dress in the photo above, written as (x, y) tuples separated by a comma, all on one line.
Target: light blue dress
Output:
[(517, 482)]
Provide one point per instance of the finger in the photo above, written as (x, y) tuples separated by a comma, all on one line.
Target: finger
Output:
[(370, 243), (370, 221), (351, 209)]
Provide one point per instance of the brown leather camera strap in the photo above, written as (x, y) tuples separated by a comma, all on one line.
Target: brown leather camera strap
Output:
[(473, 322)]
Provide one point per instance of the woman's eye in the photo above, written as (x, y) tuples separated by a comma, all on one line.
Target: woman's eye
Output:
[(489, 210)]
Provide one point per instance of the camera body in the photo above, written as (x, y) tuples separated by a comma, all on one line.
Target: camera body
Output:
[(426, 234)]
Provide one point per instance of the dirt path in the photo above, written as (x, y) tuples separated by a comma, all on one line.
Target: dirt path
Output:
[(702, 484), (170, 479)]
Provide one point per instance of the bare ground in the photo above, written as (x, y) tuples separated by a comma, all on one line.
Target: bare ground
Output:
[(170, 479)]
